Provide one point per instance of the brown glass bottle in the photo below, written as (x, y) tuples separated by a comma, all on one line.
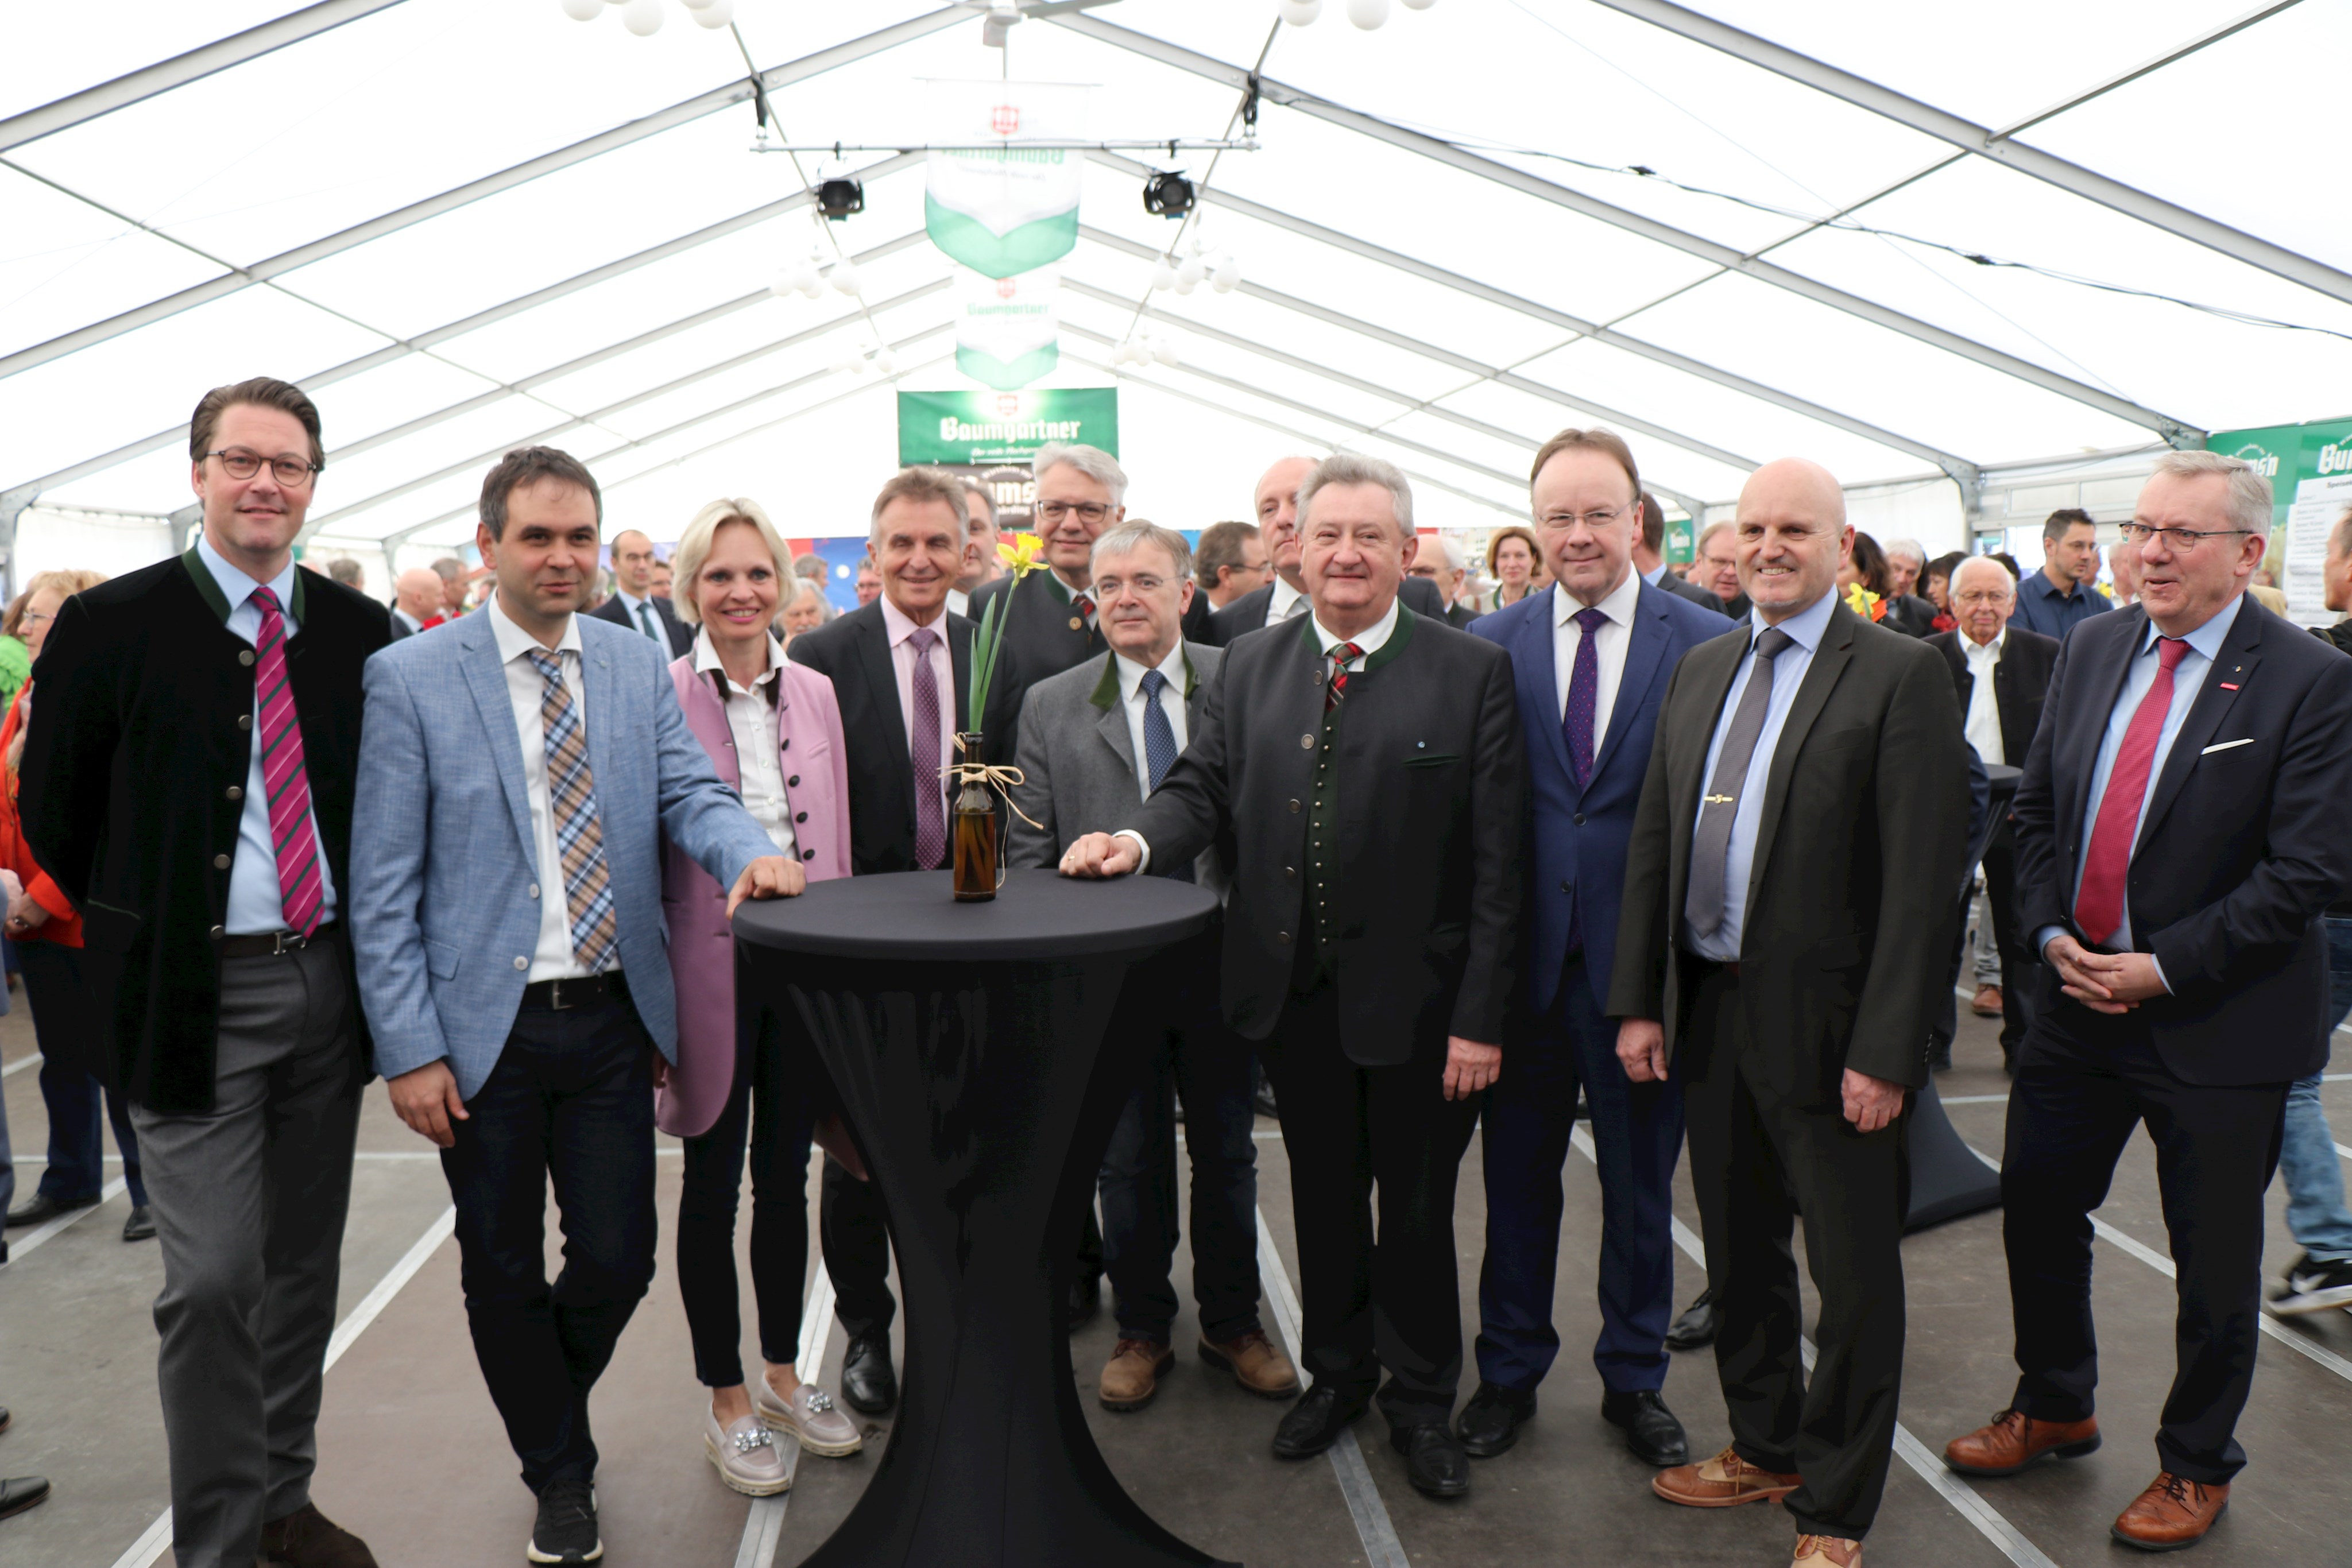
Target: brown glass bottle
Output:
[(978, 863)]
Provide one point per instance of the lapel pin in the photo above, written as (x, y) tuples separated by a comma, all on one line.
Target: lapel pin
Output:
[(1076, 622), (2229, 685)]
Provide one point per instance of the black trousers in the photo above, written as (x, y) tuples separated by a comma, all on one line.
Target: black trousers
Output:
[(1373, 1301), (1759, 1161), (2082, 1083), (2017, 965), (571, 1102), (854, 1228)]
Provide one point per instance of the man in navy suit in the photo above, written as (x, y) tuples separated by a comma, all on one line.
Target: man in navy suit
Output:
[(1589, 661)]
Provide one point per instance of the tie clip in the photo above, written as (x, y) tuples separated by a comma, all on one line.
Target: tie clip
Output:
[(1715, 800)]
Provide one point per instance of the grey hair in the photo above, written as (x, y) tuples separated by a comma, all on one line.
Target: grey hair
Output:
[(1091, 461), (1355, 468), (1123, 538), (1698, 546), (1909, 550), (1451, 548), (2250, 493), (2007, 582)]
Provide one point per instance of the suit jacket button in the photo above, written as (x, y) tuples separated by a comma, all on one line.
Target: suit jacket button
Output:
[(793, 782), (220, 862), (808, 854), (1291, 871), (219, 932), (236, 791), (1306, 743), (245, 656), (1283, 937), (802, 818), (522, 962), (1567, 886), (1294, 807), (535, 890), (1579, 819), (244, 721), (785, 744)]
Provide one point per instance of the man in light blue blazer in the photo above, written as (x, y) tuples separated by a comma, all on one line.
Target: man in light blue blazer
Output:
[(1590, 658), (518, 771)]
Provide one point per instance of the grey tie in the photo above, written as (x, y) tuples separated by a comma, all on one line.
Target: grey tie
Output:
[(646, 623), (1711, 845)]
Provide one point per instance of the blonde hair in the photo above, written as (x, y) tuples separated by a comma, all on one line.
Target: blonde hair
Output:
[(67, 583), (693, 549)]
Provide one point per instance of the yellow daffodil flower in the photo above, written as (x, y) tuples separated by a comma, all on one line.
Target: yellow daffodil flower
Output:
[(1024, 555)]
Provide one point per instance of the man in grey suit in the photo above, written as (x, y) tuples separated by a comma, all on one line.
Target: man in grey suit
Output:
[(1095, 741), (517, 774)]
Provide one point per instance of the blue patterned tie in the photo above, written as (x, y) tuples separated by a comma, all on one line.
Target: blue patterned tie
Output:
[(579, 839), (1159, 744), (1583, 695)]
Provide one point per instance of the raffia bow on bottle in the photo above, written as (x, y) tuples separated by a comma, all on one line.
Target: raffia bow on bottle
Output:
[(991, 776)]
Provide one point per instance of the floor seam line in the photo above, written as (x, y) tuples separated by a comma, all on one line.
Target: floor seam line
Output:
[(68, 1219), (764, 1527)]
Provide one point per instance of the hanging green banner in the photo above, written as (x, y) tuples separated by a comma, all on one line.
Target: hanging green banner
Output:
[(990, 201), (987, 428), (2310, 470), (1007, 328)]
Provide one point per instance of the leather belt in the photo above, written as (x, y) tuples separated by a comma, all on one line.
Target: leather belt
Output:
[(588, 991), (271, 944)]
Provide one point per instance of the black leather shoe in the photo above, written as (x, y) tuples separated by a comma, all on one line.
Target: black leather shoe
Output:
[(20, 1492), (867, 1382), (1315, 1423), (1696, 1328), (1490, 1423), (1651, 1432), (141, 1226), (1085, 1299), (40, 1211), (1434, 1462), (5, 1417)]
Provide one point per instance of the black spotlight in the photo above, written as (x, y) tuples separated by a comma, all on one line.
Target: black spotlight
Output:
[(1168, 193), (838, 197)]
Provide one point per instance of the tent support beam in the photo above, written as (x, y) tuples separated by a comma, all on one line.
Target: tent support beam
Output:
[(1721, 256), (1999, 147)]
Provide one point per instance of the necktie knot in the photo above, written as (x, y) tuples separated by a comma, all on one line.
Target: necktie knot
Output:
[(1773, 643), (1153, 682), (266, 598), (1347, 654), (1082, 603), (2170, 651), (550, 666), (923, 637), (1589, 618)]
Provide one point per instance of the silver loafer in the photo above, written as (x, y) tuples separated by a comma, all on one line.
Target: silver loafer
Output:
[(809, 1417), (747, 1454)]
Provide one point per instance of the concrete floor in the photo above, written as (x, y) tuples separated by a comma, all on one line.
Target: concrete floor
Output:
[(412, 1457)]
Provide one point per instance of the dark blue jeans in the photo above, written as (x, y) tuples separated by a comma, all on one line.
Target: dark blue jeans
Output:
[(2315, 1214), (571, 1101), (67, 1029), (1210, 1066)]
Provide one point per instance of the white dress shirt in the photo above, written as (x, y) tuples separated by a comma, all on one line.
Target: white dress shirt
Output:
[(959, 602), (554, 959), (1610, 641), (256, 904), (1286, 602), (633, 604), (752, 724), (1983, 724), (899, 627), (1747, 817), (1132, 700)]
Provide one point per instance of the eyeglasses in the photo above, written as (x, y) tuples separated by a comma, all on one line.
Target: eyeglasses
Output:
[(290, 472), (1144, 586), (34, 617), (1088, 511), (1562, 521), (2179, 541)]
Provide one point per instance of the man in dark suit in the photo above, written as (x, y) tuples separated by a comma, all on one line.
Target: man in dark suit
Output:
[(1376, 972), (1788, 910), (1999, 715), (1650, 562), (1286, 597), (901, 670), (416, 601), (634, 605), (1051, 622), (1590, 658), (189, 778), (1440, 563), (1095, 741), (2179, 836)]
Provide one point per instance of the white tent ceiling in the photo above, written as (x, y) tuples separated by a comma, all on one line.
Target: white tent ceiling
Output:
[(467, 225)]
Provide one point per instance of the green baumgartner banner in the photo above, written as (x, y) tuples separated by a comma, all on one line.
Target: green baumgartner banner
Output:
[(990, 201), (2310, 470), (987, 428)]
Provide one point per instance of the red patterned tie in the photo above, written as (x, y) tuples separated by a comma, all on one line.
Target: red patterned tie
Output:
[(1084, 605), (299, 891), (1341, 656), (2099, 904)]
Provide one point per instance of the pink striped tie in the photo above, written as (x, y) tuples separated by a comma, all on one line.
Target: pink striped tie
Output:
[(283, 776)]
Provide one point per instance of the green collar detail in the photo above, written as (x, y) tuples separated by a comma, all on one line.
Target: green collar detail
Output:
[(208, 588), (1379, 655)]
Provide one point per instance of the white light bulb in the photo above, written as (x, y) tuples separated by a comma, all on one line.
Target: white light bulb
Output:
[(1368, 14), (694, 4), (885, 362), (1188, 275), (1416, 5), (713, 14), (644, 18), (845, 276), (1163, 275), (1227, 277), (1301, 13), (812, 285), (784, 283), (584, 10), (1164, 350)]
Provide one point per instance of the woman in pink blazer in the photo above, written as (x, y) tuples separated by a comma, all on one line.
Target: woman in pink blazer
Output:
[(773, 731)]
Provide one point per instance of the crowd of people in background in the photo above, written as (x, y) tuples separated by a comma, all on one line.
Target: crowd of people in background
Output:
[(1712, 841)]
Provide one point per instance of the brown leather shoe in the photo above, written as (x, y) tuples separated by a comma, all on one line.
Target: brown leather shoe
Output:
[(2172, 1514), (1826, 1552), (1255, 1364), (1986, 1004), (308, 1539), (1726, 1481), (1132, 1375), (2015, 1440)]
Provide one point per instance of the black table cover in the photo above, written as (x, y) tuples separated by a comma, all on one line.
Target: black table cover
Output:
[(967, 1043)]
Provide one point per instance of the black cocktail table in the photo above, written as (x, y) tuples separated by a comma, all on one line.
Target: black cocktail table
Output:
[(967, 1043)]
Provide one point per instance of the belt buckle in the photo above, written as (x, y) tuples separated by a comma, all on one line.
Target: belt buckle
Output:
[(288, 941), (555, 1002)]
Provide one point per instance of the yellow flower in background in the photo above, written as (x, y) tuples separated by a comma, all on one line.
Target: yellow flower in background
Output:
[(1863, 602), (1024, 555)]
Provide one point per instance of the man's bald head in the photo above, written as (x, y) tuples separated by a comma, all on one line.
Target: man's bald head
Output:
[(417, 592), (633, 563), (1793, 537), (1276, 506)]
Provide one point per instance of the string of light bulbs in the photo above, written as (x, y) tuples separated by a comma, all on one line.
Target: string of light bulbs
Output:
[(644, 18), (1365, 14)]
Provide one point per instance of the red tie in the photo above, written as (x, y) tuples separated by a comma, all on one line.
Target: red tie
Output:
[(2099, 905), (300, 894), (1338, 689)]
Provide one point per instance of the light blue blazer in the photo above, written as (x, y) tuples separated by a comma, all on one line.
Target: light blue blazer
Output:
[(444, 858)]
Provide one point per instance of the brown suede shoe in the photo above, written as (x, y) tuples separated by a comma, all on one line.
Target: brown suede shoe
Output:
[(1826, 1552), (1132, 1376), (1726, 1481), (1255, 1364), (1986, 1003), (308, 1539), (2015, 1440), (2172, 1514)]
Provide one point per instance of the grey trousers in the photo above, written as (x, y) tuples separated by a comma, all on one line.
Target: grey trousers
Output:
[(249, 1199)]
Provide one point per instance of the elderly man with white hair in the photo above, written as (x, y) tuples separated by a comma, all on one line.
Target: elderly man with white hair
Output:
[(2000, 674), (1440, 563)]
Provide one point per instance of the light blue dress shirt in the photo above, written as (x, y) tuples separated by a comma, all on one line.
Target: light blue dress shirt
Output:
[(1788, 674), (1651, 576), (2187, 680), (643, 616), (256, 904)]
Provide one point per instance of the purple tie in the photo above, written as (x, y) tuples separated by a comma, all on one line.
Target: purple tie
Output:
[(299, 892), (930, 794), (1583, 695)]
